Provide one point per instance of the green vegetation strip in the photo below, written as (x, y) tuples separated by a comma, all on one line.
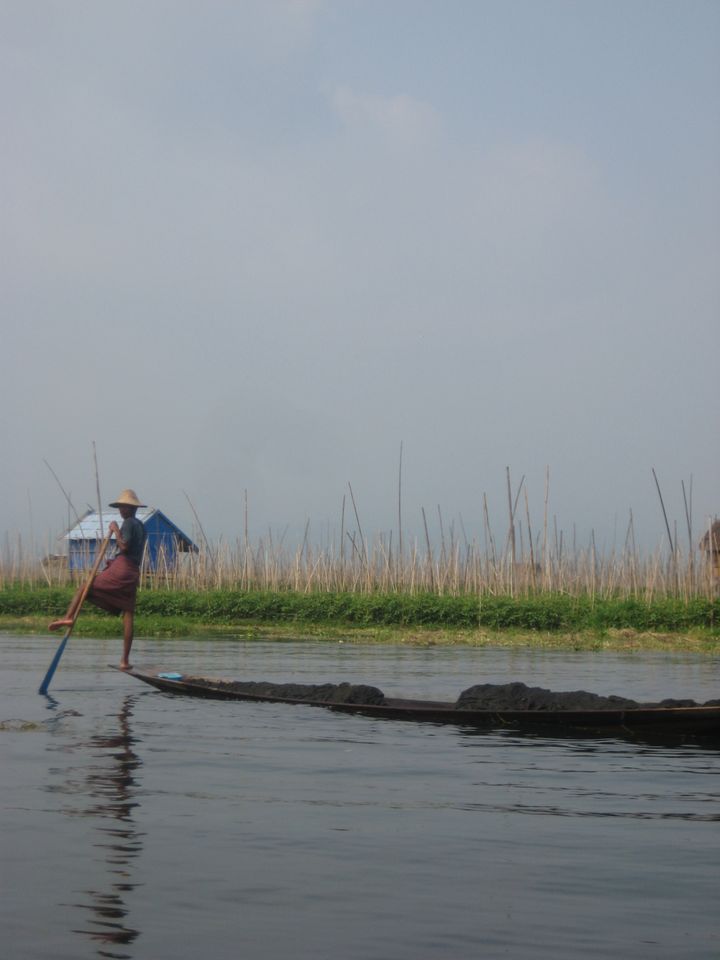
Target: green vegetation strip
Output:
[(543, 612)]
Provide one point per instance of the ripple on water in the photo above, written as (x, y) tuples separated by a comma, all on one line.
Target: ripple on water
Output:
[(152, 826)]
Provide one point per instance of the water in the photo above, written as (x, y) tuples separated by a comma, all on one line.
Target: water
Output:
[(142, 826)]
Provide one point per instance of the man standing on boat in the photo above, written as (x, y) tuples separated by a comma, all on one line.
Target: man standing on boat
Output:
[(115, 589)]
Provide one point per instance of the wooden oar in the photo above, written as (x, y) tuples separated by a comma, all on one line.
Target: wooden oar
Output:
[(81, 600)]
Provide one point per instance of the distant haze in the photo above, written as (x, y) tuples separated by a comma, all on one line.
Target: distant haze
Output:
[(257, 246)]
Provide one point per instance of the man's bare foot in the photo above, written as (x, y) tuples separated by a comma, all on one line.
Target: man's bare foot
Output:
[(56, 624), (126, 666)]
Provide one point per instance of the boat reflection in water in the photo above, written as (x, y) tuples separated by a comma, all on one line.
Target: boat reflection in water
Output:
[(111, 782)]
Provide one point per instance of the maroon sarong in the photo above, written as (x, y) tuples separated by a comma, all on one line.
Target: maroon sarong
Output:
[(116, 587)]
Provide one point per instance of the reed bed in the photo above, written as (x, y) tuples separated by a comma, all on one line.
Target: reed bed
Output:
[(451, 568)]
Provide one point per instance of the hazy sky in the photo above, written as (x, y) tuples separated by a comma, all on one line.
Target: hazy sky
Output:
[(257, 245)]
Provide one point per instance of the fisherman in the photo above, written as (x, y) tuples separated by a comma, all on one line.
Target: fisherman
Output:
[(115, 589)]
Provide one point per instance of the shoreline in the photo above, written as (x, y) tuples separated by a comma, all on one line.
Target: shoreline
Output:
[(697, 640)]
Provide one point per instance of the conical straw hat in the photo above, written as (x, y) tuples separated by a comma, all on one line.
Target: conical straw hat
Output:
[(127, 498)]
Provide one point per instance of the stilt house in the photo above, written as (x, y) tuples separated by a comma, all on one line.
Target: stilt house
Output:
[(165, 540)]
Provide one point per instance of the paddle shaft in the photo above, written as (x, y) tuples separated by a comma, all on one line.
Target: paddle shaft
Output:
[(80, 601)]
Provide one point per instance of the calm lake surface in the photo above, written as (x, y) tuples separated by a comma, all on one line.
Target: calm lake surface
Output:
[(139, 825)]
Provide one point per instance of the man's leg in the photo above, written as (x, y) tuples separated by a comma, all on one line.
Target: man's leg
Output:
[(128, 628), (67, 620)]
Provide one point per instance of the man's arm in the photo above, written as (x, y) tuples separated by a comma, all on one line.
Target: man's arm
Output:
[(115, 530)]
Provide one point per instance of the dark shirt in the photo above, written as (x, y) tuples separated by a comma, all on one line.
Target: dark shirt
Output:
[(133, 533)]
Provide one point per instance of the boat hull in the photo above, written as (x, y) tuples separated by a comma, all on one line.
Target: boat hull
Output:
[(699, 721)]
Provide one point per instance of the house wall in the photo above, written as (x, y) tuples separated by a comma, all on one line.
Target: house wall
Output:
[(82, 553)]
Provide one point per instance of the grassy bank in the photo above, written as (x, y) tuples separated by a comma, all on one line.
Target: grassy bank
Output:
[(558, 613), (696, 640)]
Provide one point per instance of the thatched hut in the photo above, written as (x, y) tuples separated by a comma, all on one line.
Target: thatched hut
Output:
[(710, 545)]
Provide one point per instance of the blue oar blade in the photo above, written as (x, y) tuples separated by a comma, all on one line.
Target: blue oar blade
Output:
[(55, 661)]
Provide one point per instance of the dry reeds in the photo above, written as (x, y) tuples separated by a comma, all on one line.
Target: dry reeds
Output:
[(453, 567), (530, 562)]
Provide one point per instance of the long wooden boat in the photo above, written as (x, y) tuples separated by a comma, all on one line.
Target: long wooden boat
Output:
[(646, 721)]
